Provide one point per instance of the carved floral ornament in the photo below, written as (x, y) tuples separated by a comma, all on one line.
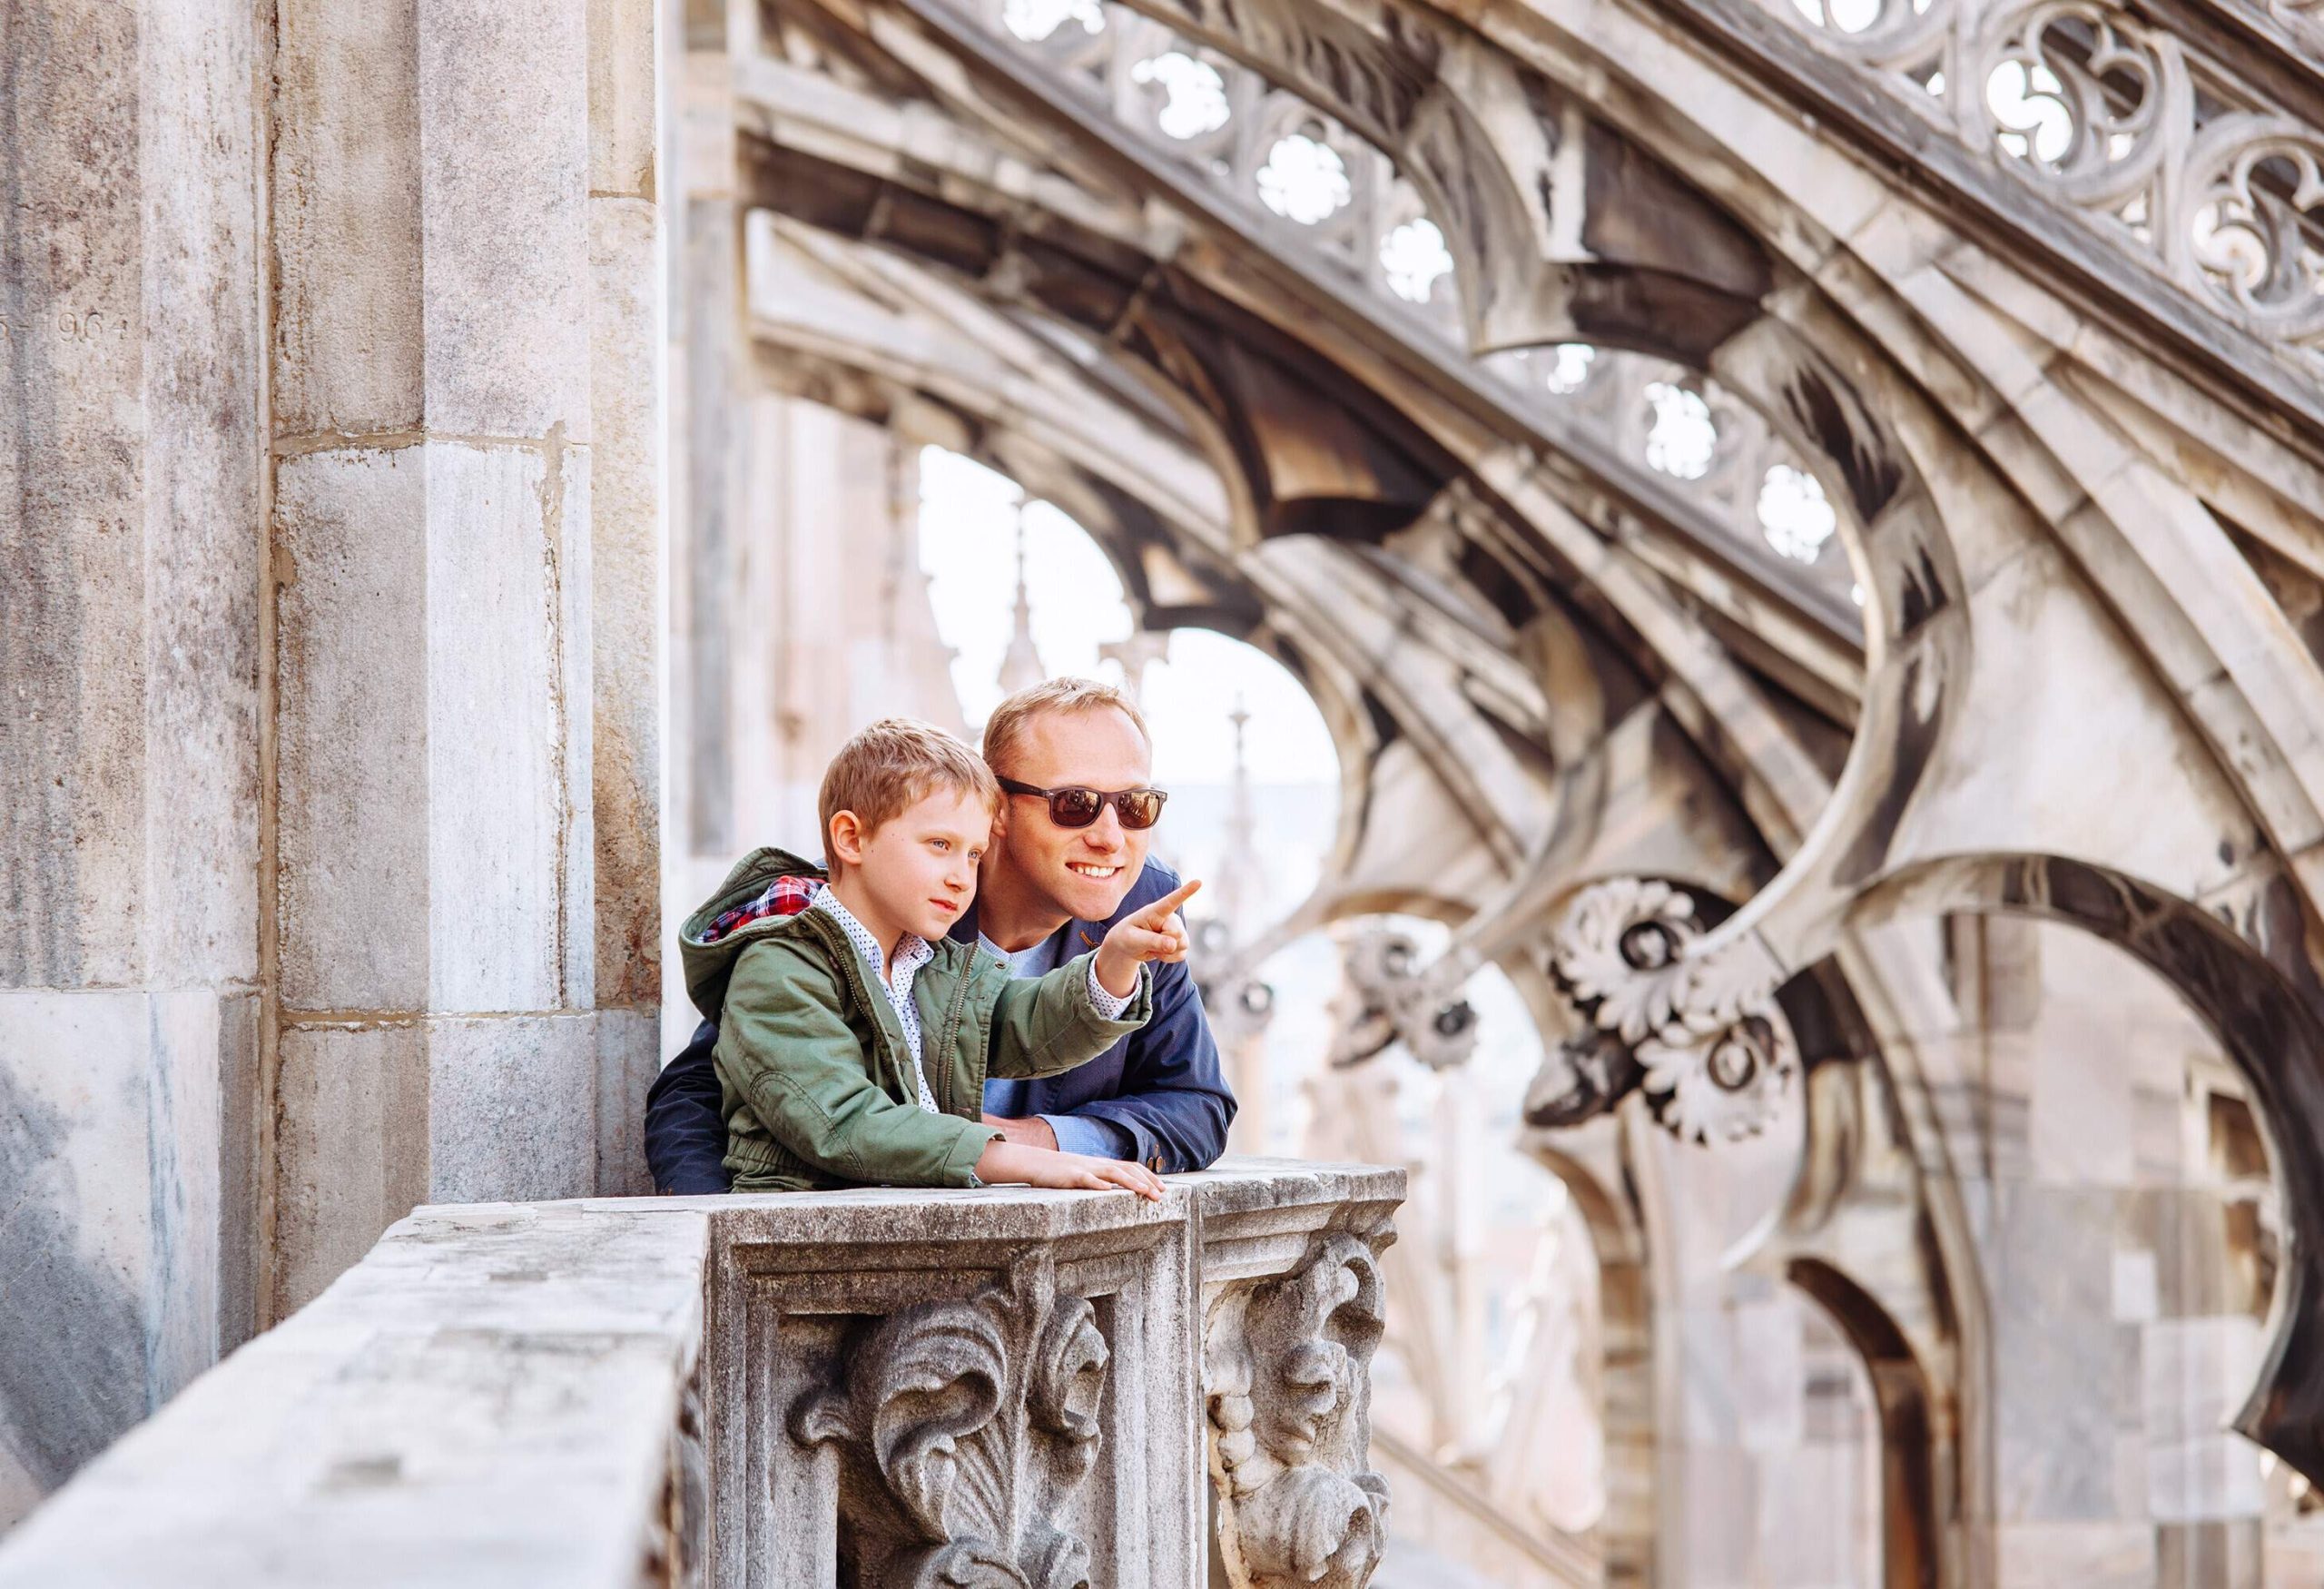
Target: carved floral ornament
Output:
[(1715, 1052), (1286, 1366), (1398, 998), (963, 1430), (2163, 150)]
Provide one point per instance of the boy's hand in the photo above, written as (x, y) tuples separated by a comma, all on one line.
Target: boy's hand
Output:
[(1155, 932), (1013, 1162)]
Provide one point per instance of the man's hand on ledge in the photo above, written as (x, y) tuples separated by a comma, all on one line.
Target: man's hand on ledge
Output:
[(1031, 1132)]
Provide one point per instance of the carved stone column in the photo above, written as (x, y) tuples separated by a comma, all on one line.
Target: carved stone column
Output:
[(1292, 1312)]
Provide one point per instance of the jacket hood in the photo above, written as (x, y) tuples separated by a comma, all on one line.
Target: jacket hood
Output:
[(709, 963)]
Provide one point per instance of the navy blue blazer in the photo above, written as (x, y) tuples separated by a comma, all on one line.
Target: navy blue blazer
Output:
[(1161, 1084)]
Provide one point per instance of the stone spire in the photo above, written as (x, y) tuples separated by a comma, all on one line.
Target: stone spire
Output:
[(1021, 666), (1239, 882)]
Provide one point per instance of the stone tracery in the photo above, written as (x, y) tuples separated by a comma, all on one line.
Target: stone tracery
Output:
[(2156, 142)]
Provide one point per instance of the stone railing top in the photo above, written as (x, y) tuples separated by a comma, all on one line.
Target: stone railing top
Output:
[(486, 1399), (1236, 1186), (512, 1394)]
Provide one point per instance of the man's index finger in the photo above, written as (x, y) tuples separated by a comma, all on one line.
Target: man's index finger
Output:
[(1161, 908)]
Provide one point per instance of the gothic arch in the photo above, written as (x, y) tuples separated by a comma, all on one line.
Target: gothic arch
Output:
[(1981, 486), (2262, 1009), (1914, 1445)]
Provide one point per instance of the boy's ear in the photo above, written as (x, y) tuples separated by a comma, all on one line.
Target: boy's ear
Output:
[(845, 840)]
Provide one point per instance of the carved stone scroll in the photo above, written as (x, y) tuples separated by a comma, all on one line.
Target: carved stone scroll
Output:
[(963, 1430), (1287, 1375), (1700, 1034)]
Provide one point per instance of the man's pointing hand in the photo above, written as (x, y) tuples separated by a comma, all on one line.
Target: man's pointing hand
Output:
[(1152, 932)]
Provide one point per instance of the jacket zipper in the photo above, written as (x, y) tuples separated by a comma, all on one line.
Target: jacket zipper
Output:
[(951, 1030)]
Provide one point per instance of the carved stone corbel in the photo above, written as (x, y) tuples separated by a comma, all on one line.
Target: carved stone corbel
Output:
[(963, 1430), (1287, 1376), (1700, 1034)]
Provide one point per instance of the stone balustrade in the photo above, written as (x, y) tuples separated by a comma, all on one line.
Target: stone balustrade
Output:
[(854, 1390)]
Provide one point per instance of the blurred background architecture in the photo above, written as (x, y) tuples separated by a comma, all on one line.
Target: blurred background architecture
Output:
[(1730, 592)]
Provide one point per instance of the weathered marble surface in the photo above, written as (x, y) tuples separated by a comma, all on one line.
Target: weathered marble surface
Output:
[(492, 1396), (628, 483), (131, 484), (950, 1290), (127, 1182), (435, 285), (1292, 1309)]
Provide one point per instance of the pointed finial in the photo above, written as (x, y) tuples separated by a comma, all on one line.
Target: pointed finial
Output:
[(1020, 665)]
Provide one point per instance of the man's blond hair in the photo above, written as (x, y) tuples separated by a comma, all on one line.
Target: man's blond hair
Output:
[(891, 766), (1006, 726)]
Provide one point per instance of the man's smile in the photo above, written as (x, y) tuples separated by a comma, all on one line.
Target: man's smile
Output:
[(1091, 869)]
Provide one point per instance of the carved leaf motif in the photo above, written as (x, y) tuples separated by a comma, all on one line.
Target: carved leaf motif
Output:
[(932, 1429), (1068, 1381), (967, 1567), (1060, 1560), (964, 1428), (1721, 1090), (1622, 944), (1401, 999)]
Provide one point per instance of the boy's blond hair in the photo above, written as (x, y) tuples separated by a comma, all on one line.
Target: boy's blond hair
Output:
[(1006, 726), (891, 766)]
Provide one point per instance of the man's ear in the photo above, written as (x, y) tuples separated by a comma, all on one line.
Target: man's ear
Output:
[(846, 839)]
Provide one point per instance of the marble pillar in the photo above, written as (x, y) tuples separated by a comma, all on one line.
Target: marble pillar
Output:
[(432, 427), (130, 502), (627, 619)]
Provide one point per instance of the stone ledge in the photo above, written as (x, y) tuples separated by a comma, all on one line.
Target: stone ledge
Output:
[(486, 1399), (511, 1394)]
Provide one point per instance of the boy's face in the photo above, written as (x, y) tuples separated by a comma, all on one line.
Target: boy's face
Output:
[(918, 870), (1082, 871)]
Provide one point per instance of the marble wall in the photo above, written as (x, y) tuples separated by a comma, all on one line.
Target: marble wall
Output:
[(432, 424), (2126, 1221), (309, 315)]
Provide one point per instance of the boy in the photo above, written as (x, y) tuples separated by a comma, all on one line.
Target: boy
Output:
[(854, 1035)]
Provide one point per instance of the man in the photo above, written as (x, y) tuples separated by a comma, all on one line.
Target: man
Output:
[(1067, 861)]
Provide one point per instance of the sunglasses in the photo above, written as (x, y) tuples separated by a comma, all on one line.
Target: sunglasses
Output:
[(1138, 808)]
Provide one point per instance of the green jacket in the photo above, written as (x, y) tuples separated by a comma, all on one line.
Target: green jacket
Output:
[(815, 1083)]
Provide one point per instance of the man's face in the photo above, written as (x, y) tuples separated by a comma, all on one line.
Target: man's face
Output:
[(1082, 871)]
